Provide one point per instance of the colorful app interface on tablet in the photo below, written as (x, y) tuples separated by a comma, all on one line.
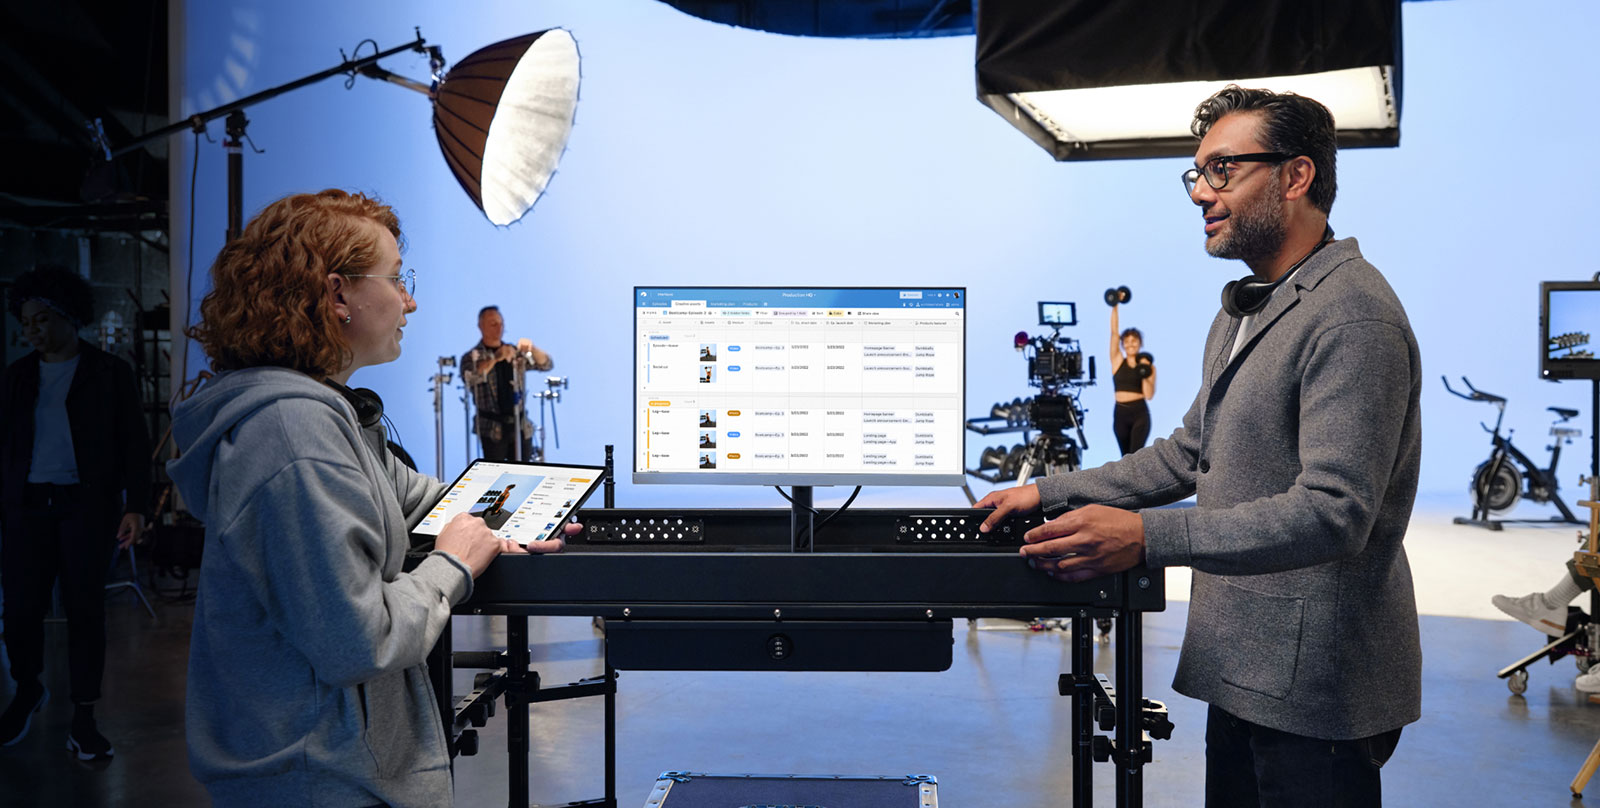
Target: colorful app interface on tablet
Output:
[(524, 503)]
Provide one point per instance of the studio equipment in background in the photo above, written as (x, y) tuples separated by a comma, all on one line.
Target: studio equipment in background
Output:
[(441, 379), (502, 117), (1095, 81), (1056, 367), (1508, 474), (1569, 316), (550, 396)]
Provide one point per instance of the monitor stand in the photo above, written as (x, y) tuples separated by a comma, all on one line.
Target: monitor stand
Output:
[(800, 519)]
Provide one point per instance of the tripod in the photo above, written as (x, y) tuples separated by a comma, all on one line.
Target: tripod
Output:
[(1051, 451)]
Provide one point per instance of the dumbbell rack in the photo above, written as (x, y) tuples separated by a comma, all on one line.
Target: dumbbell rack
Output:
[(997, 425)]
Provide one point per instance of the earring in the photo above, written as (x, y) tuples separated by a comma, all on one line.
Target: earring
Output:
[(347, 319)]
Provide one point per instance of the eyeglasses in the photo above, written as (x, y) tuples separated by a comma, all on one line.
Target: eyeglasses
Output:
[(407, 280), (1218, 169)]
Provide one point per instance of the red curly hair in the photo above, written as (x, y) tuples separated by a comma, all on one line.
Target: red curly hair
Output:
[(269, 302)]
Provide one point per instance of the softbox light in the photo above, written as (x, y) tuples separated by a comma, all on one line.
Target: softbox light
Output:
[(1088, 80), (502, 116)]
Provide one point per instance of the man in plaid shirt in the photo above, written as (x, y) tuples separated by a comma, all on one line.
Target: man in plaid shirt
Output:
[(489, 372)]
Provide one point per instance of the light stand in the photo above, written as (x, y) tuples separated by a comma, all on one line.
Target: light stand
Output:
[(552, 394), (441, 379), (466, 411), (502, 117), (519, 385), (237, 123)]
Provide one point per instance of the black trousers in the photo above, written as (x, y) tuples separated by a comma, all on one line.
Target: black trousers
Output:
[(1251, 766), (59, 532), (1131, 421)]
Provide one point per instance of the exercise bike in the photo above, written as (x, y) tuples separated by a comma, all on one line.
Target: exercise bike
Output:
[(1509, 475)]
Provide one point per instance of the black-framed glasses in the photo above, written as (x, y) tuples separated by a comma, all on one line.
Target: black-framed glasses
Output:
[(406, 280), (1218, 169)]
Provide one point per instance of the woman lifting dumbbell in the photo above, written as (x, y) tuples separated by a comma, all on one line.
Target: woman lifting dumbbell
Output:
[(1133, 379)]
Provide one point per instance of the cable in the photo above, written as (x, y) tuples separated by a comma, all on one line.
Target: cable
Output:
[(814, 511), (836, 511)]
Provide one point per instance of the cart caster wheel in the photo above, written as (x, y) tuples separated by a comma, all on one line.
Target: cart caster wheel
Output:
[(1518, 682)]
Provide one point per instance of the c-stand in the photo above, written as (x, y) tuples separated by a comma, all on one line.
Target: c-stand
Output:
[(441, 379)]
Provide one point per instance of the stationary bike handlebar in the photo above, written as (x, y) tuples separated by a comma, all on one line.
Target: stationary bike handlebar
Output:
[(1476, 395)]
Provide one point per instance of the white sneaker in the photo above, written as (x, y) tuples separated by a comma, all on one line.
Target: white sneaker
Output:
[(1588, 682), (1530, 609)]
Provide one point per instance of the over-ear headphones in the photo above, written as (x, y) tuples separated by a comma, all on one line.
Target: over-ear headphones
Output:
[(1249, 295), (367, 404)]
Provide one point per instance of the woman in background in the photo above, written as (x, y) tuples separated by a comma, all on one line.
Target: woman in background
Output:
[(1134, 380)]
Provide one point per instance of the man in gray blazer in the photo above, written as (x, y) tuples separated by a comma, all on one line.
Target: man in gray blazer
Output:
[(1301, 450)]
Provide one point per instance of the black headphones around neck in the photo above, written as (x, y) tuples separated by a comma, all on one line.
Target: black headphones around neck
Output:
[(1249, 295), (367, 404)]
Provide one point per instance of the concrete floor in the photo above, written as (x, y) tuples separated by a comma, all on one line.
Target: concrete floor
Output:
[(991, 728)]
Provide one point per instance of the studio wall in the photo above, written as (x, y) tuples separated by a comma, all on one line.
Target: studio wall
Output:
[(704, 154)]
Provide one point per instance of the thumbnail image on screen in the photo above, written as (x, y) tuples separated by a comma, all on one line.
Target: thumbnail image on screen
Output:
[(799, 385)]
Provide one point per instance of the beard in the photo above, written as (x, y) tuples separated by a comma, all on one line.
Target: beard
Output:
[(1256, 229)]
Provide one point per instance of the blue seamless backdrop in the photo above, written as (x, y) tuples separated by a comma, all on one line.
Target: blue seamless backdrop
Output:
[(709, 155)]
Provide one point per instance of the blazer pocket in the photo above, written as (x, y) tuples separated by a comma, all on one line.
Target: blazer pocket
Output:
[(1262, 638)]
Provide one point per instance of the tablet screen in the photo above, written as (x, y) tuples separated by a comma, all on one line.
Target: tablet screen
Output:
[(524, 502)]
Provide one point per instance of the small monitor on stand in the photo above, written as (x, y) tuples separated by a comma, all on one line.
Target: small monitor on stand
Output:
[(1569, 321)]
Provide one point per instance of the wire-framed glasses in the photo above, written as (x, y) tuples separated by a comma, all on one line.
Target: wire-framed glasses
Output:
[(406, 280), (1217, 170)]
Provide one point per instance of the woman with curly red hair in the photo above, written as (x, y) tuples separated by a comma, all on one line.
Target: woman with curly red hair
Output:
[(307, 675)]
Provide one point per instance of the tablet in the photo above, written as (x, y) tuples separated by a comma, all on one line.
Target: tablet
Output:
[(524, 502)]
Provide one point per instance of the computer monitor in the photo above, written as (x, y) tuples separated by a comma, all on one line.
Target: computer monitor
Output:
[(1569, 320), (799, 385)]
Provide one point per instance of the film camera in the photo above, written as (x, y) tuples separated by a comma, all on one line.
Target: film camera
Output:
[(1057, 367)]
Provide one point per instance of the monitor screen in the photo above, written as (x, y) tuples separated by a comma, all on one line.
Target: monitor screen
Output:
[(1569, 320), (799, 385)]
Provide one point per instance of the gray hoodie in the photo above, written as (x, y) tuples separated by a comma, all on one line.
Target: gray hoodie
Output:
[(307, 679)]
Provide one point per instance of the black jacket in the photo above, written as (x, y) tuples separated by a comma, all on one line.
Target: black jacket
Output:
[(109, 439)]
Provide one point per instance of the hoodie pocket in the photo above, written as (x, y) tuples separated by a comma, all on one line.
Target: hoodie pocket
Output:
[(397, 736)]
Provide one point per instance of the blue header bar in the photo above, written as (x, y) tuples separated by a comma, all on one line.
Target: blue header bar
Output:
[(745, 297)]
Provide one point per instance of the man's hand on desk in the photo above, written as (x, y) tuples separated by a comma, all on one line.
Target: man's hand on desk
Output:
[(1089, 542), (1007, 501)]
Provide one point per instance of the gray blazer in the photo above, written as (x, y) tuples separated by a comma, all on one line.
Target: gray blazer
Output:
[(1302, 453)]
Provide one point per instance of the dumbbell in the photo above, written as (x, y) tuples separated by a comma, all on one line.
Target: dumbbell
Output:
[(1145, 364), (992, 458), (1013, 462), (1121, 294)]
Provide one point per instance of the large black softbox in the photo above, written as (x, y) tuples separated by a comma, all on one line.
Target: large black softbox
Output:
[(1088, 79)]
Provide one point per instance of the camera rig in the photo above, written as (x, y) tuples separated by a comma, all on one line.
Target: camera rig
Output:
[(1057, 368)]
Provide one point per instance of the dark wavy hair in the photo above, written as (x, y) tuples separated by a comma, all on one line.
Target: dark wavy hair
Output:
[(1131, 332), (1292, 124), (269, 302), (66, 291)]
